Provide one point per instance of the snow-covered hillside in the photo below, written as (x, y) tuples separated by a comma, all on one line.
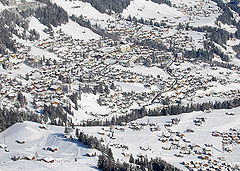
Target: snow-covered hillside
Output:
[(81, 8), (35, 24), (77, 32), (71, 29), (157, 136), (1, 7), (150, 10), (27, 140), (182, 11)]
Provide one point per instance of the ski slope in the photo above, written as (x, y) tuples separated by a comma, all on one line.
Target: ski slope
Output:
[(36, 139)]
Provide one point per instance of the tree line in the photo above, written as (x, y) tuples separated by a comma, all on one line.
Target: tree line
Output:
[(8, 117), (56, 114), (206, 54), (165, 111), (95, 28), (109, 6), (217, 35), (49, 14), (163, 2)]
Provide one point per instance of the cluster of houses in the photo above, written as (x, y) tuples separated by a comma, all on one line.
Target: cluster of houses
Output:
[(51, 149), (216, 164), (205, 157), (74, 63), (177, 143), (199, 121), (203, 8), (139, 126), (230, 138), (10, 87), (4, 147), (175, 140), (46, 160), (191, 79), (119, 146)]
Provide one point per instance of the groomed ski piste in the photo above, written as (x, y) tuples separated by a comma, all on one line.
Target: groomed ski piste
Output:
[(42, 147)]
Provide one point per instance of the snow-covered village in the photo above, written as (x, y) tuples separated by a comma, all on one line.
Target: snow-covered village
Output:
[(120, 85)]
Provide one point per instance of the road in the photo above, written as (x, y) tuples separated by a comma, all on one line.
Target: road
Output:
[(167, 70)]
